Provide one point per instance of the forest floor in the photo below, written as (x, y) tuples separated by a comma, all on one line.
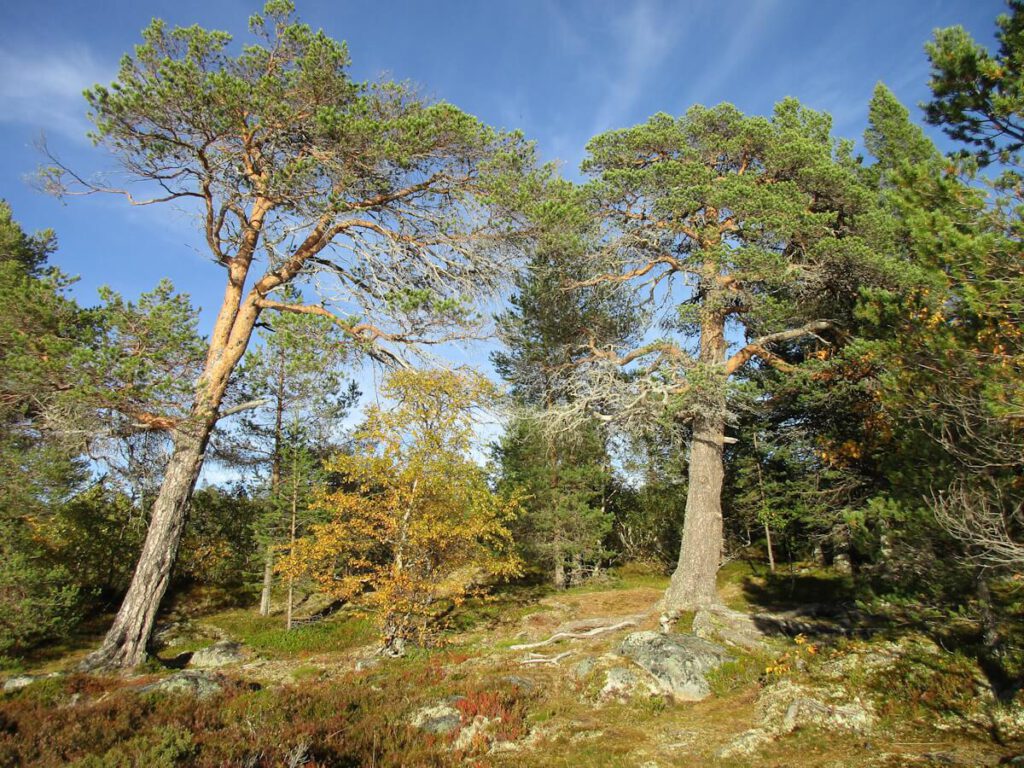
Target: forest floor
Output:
[(834, 693)]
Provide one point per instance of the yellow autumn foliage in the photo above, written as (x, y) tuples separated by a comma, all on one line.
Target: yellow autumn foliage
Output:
[(414, 527)]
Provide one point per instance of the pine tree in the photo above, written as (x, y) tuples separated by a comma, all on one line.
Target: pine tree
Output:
[(564, 477), (285, 156), (712, 221)]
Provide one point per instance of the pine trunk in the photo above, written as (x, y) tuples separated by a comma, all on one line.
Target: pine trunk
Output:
[(275, 482), (268, 580), (693, 584), (128, 639)]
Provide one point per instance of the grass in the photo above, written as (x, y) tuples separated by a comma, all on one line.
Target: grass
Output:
[(267, 636)]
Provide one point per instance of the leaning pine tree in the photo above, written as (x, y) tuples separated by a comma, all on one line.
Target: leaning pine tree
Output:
[(742, 240), (399, 209)]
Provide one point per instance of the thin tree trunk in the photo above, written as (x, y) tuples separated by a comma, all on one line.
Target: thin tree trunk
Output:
[(764, 507), (576, 574), (396, 625), (558, 577), (275, 482), (291, 540), (268, 580)]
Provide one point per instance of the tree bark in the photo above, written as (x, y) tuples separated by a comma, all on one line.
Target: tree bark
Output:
[(764, 508), (693, 584), (291, 538), (268, 580), (127, 641)]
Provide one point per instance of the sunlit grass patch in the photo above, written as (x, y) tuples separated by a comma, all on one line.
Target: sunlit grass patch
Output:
[(268, 636)]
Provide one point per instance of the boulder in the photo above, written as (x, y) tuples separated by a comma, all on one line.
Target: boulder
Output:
[(582, 669), (217, 655), (805, 712), (677, 663), (18, 682), (475, 734), (732, 627), (183, 631)]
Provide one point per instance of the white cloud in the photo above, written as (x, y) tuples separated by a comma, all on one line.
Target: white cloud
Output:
[(644, 37), (714, 82), (44, 90)]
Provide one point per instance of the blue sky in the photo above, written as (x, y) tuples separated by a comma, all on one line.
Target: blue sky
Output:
[(560, 71)]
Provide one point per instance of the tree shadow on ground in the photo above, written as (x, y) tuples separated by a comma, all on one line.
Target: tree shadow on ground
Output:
[(791, 591)]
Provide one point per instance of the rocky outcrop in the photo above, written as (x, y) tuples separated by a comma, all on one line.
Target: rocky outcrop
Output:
[(746, 744), (728, 626), (785, 707), (677, 663), (442, 717), (620, 684), (217, 655)]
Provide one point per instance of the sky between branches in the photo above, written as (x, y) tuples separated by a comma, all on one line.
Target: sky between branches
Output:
[(560, 71)]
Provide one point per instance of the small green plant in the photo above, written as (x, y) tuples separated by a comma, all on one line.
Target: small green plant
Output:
[(163, 747), (733, 676)]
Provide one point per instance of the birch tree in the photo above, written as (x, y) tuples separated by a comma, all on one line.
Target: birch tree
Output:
[(399, 209)]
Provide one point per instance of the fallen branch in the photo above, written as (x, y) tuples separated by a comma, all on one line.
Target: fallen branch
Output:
[(534, 658), (575, 635)]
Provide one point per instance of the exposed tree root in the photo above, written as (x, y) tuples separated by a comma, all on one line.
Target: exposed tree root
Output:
[(594, 631)]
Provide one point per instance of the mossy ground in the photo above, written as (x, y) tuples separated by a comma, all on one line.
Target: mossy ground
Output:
[(319, 701)]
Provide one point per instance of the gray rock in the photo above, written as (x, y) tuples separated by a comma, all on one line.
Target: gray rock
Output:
[(191, 682), (475, 732), (18, 682), (678, 663), (729, 626), (785, 707), (439, 718), (217, 655), (582, 669), (183, 631), (804, 713), (619, 683), (368, 663)]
